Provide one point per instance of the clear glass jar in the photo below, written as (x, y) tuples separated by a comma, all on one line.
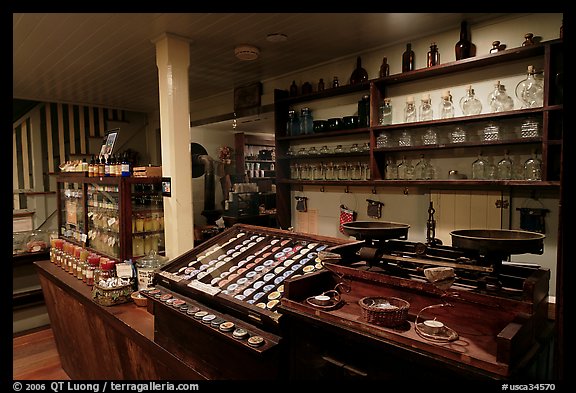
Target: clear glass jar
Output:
[(530, 91), (491, 132), (325, 150), (316, 171), (405, 169), (491, 171), (405, 139), (355, 171), (384, 140), (426, 112), (92, 263), (366, 174), (420, 168), (430, 137), (505, 167), (304, 172), (533, 168), (339, 149), (410, 110), (329, 172), (469, 104), (146, 267), (479, 168), (312, 151), (294, 172), (354, 148), (302, 152), (499, 100), (530, 128), (391, 170), (446, 107), (365, 147), (342, 169), (385, 113), (458, 135)]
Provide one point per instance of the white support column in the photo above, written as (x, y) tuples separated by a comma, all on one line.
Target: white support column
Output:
[(173, 60)]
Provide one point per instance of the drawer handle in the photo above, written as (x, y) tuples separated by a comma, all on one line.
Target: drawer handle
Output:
[(351, 369)]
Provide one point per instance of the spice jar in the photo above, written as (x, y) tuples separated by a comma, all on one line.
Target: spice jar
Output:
[(93, 260)]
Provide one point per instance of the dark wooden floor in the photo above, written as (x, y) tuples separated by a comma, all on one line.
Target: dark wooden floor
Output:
[(35, 357)]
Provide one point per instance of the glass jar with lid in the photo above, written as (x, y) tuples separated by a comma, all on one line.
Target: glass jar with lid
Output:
[(504, 167), (146, 267), (530, 128), (430, 137), (384, 140), (426, 112), (355, 171), (354, 148), (405, 138), (458, 135), (329, 171), (339, 149), (325, 150), (342, 169), (306, 121), (533, 168), (385, 113)]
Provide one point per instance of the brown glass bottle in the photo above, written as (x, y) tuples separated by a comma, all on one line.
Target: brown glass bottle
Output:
[(359, 75), (433, 55), (384, 68), (463, 46), (408, 59), (293, 89), (528, 39)]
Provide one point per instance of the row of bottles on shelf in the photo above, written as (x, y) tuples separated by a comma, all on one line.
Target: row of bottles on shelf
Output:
[(330, 171), (486, 132), (325, 149), (90, 267), (529, 91), (482, 168), (462, 50), (109, 166), (304, 123)]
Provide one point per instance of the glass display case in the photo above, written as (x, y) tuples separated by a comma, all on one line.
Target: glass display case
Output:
[(119, 217)]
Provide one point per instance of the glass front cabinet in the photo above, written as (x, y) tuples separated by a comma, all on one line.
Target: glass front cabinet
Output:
[(119, 217)]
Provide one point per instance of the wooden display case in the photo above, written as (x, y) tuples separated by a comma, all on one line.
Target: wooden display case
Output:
[(118, 217), (236, 277)]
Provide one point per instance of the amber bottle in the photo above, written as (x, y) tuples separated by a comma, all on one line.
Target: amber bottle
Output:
[(359, 75), (384, 68), (408, 58), (463, 46), (433, 55)]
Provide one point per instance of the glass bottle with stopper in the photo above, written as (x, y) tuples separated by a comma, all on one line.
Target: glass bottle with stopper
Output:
[(426, 112), (469, 104), (499, 100), (446, 105), (529, 90), (410, 110), (384, 68), (463, 46)]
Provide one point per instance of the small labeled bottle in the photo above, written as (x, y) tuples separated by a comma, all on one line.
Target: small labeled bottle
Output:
[(463, 46), (384, 68), (125, 166), (408, 59), (101, 167), (410, 110), (321, 84), (91, 166), (433, 55)]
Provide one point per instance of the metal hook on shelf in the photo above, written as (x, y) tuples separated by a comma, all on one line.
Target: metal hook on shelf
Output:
[(347, 190), (405, 190), (374, 190), (321, 188)]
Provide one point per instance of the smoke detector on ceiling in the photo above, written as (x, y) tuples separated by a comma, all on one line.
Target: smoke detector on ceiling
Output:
[(246, 52)]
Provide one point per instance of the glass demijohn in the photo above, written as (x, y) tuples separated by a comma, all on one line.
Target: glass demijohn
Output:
[(530, 91), (469, 104), (499, 100)]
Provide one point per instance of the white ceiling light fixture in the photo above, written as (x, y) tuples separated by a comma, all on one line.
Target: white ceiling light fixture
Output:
[(246, 52)]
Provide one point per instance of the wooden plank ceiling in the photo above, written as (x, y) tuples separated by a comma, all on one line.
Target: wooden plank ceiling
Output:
[(108, 59)]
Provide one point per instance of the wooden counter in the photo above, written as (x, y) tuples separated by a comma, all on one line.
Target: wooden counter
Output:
[(97, 342)]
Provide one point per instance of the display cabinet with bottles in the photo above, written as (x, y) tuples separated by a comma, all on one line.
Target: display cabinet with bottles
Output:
[(444, 142), (119, 217)]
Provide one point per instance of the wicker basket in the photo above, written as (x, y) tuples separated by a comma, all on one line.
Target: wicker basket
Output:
[(112, 296), (384, 311)]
